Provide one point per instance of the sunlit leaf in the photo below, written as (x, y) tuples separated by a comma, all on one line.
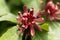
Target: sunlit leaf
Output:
[(40, 35), (54, 31), (3, 8), (45, 26), (32, 4), (9, 17), (10, 34)]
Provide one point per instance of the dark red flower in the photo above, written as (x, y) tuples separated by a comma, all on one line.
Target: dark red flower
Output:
[(28, 20), (52, 10)]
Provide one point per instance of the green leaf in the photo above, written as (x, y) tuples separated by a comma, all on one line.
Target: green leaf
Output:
[(32, 4), (40, 35), (52, 34), (4, 25), (14, 2), (9, 17), (54, 31), (45, 26), (10, 34), (5, 14), (3, 8)]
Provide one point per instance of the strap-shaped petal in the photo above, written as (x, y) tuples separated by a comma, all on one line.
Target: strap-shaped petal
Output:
[(52, 18), (32, 30), (20, 31), (37, 27), (57, 17), (20, 14), (19, 19), (25, 26), (25, 9), (58, 4), (57, 12), (39, 13), (39, 20), (31, 11)]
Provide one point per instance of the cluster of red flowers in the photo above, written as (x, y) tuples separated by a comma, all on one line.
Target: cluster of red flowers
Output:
[(28, 19), (51, 10)]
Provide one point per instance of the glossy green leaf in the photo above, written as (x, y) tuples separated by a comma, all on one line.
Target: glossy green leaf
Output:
[(40, 35), (5, 14), (10, 34), (3, 8), (54, 31), (45, 26), (32, 4), (9, 17)]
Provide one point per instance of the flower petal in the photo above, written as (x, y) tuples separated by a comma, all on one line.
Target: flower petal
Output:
[(37, 27), (57, 18), (20, 31), (25, 9), (32, 30), (57, 13), (38, 14), (20, 14), (19, 19), (58, 4), (39, 20), (51, 18), (31, 11), (25, 26)]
